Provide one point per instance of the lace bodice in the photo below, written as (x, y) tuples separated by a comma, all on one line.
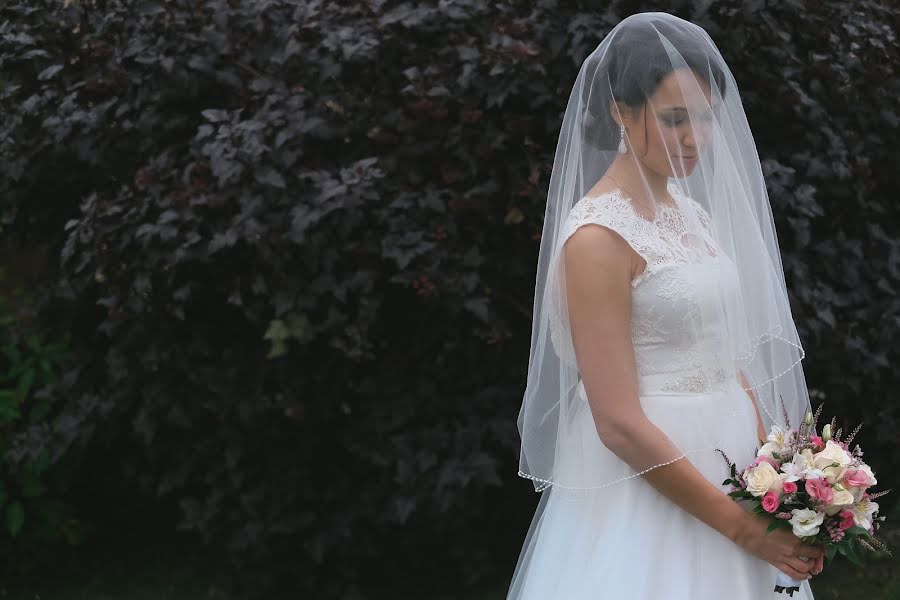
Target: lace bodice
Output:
[(684, 269)]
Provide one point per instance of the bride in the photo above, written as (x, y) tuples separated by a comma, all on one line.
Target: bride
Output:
[(663, 345)]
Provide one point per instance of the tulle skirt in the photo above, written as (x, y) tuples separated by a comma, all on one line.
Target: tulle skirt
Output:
[(630, 542)]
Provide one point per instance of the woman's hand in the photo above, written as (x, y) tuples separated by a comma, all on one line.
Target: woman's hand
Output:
[(781, 548)]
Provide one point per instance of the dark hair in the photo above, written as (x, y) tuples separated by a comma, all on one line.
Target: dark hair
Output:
[(636, 62)]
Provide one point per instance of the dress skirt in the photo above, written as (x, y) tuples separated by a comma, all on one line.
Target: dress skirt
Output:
[(629, 542)]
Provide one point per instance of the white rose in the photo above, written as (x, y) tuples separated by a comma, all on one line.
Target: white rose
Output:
[(834, 474), (763, 478), (842, 499), (806, 522), (833, 453), (770, 449)]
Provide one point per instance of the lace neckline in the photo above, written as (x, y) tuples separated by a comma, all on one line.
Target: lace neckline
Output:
[(662, 209)]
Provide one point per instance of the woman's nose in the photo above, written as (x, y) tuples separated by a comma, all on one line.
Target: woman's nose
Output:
[(696, 137)]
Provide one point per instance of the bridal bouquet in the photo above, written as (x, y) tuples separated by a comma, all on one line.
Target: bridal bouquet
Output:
[(815, 486)]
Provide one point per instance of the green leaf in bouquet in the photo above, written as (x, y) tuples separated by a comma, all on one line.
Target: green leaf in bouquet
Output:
[(853, 555), (855, 531), (830, 552), (740, 494)]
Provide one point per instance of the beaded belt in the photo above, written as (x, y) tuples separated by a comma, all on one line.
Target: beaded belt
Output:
[(686, 381)]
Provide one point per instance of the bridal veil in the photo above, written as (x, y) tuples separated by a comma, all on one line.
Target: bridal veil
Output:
[(724, 207)]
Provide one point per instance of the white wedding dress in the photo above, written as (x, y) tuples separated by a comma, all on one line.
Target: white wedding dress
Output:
[(628, 541)]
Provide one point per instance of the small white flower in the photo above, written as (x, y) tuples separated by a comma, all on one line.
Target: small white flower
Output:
[(778, 435), (814, 473), (797, 468), (862, 513), (806, 522)]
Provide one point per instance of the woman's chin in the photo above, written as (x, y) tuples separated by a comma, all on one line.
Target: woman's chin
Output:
[(683, 170)]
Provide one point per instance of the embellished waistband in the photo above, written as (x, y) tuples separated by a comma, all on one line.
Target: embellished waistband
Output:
[(689, 381)]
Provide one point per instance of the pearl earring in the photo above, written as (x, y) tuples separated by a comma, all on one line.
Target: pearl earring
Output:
[(622, 148)]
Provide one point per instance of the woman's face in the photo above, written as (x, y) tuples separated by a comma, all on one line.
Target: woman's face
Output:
[(668, 133)]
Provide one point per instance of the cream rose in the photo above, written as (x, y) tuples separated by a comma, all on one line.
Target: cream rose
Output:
[(763, 478), (841, 500), (770, 449), (833, 453)]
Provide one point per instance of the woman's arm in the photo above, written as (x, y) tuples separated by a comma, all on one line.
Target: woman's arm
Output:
[(760, 430)]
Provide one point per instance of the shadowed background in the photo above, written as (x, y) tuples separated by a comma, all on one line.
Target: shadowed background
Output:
[(268, 269)]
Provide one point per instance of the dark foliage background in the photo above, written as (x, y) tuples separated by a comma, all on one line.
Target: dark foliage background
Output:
[(293, 243)]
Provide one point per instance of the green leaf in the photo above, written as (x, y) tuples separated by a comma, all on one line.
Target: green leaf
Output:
[(39, 411), (852, 555), (25, 383), (855, 531), (9, 409), (830, 551), (15, 517), (32, 487)]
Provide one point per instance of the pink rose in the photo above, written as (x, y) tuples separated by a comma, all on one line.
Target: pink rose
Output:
[(770, 502), (817, 440), (857, 478), (818, 489), (768, 459), (789, 487), (846, 520)]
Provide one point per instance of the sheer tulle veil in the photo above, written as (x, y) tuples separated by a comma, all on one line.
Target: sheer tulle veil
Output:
[(729, 211)]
